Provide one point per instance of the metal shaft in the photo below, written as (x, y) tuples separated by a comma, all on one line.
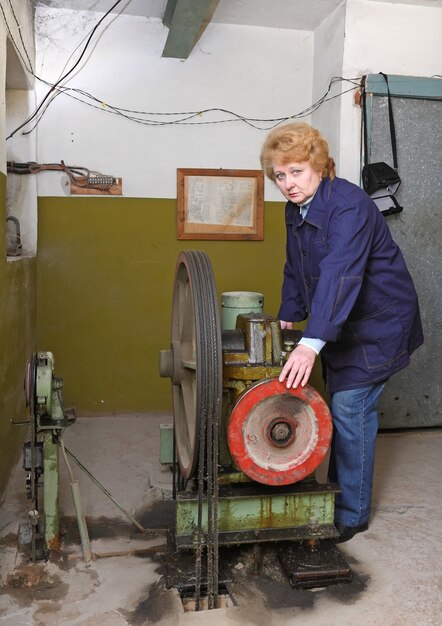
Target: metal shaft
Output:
[(50, 491), (105, 491)]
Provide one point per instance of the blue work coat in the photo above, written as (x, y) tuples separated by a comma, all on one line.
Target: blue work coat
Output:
[(346, 275)]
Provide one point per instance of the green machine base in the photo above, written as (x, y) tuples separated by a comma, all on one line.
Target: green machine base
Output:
[(251, 513)]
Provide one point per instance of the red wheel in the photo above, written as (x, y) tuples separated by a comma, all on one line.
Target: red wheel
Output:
[(278, 436)]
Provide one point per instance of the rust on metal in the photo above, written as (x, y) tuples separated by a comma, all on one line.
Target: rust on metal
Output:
[(251, 438)]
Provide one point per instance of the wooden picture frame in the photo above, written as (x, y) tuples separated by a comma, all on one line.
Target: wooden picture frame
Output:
[(220, 204)]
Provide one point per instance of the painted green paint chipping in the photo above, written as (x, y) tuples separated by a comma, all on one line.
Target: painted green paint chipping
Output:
[(17, 342), (404, 86), (259, 512), (105, 275)]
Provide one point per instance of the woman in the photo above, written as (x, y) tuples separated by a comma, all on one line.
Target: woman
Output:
[(348, 278)]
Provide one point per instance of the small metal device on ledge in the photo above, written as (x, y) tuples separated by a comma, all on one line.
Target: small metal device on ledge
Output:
[(13, 239)]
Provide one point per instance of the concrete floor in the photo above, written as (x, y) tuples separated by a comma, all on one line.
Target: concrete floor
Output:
[(396, 564)]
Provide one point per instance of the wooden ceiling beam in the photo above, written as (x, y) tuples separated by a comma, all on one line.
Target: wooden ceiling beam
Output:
[(186, 20)]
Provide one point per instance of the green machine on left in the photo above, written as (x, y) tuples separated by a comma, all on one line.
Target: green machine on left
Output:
[(48, 419)]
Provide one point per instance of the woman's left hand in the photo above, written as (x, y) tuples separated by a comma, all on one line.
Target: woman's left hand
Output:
[(298, 367)]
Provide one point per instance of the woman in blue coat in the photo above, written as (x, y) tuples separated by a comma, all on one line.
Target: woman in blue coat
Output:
[(346, 276)]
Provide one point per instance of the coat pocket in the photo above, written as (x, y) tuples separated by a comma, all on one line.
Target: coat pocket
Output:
[(381, 337)]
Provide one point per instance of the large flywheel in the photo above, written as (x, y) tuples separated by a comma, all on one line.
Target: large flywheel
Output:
[(194, 361)]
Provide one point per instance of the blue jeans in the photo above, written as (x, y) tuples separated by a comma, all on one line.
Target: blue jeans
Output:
[(355, 424)]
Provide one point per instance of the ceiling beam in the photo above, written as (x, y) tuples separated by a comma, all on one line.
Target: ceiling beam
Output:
[(186, 20)]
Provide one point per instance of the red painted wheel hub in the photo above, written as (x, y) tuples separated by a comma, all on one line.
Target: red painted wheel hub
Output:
[(278, 436)]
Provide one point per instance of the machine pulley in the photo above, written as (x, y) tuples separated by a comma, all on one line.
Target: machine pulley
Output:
[(194, 360), (279, 436), (194, 364)]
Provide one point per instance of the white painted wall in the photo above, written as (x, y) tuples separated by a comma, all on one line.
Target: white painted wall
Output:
[(389, 38), (327, 63), (16, 101), (256, 72), (21, 191), (23, 11)]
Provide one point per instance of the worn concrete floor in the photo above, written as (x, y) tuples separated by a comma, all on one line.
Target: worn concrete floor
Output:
[(396, 564)]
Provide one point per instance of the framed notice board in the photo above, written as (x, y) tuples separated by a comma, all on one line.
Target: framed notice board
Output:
[(220, 204)]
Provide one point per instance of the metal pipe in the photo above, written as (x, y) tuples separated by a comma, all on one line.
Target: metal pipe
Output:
[(50, 491), (105, 491), (81, 521)]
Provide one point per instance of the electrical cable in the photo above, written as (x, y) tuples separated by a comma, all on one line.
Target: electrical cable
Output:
[(132, 115), (19, 32), (11, 37), (79, 176), (354, 81), (185, 121), (55, 85)]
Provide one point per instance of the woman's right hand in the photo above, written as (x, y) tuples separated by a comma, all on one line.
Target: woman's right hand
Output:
[(298, 367)]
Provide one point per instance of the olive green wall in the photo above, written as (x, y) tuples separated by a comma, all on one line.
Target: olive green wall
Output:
[(17, 342), (105, 276)]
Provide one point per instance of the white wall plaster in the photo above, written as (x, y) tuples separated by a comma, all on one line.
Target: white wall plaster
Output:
[(256, 72), (328, 59), (18, 57), (23, 11), (21, 190), (389, 38)]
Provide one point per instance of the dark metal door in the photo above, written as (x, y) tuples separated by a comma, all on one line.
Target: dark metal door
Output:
[(412, 398)]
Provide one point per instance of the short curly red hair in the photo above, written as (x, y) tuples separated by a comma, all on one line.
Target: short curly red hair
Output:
[(296, 142)]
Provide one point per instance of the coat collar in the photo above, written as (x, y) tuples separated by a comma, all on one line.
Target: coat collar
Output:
[(318, 208)]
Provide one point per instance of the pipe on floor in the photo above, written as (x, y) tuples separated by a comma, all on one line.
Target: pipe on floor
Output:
[(81, 521)]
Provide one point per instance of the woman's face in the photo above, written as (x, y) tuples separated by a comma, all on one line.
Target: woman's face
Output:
[(297, 181)]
